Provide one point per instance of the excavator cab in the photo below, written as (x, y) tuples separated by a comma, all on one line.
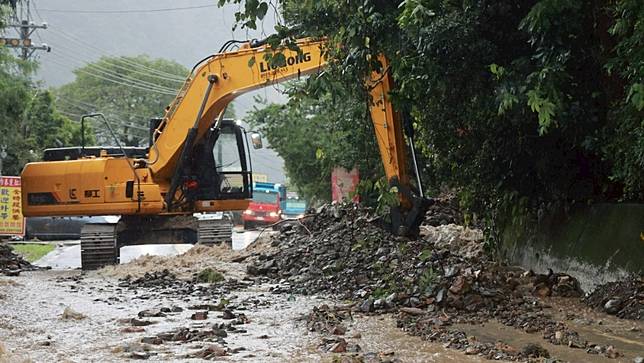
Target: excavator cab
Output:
[(220, 168)]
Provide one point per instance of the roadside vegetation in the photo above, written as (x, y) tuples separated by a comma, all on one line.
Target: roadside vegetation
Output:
[(33, 251), (516, 106)]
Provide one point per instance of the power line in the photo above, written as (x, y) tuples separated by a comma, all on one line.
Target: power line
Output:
[(118, 76), (94, 109), (141, 69), (117, 81), (134, 67), (128, 11)]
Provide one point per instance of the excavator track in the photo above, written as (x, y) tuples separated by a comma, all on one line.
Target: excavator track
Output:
[(215, 231), (98, 246)]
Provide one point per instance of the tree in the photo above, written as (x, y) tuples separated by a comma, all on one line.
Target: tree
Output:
[(128, 90), (29, 121), (538, 101), (316, 133)]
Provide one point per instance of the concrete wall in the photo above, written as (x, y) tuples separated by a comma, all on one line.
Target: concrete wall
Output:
[(597, 244)]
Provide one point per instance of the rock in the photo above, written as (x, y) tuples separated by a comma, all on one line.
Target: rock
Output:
[(624, 298), (535, 351), (412, 311), (339, 347), (367, 305), (459, 286), (389, 300), (139, 355), (210, 352), (558, 336), (69, 314), (137, 322), (472, 350), (132, 329), (440, 296), (151, 313), (542, 290), (451, 271), (151, 340), (227, 315), (612, 353), (613, 306), (338, 330), (199, 315)]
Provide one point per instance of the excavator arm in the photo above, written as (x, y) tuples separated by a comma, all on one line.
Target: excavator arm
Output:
[(218, 80)]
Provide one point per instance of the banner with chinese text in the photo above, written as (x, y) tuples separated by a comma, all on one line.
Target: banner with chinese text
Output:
[(11, 219)]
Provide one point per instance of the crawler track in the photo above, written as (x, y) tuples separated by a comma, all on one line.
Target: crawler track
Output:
[(215, 231), (98, 246)]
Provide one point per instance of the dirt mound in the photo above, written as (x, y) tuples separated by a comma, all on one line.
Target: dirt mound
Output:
[(625, 299), (184, 266), (11, 262)]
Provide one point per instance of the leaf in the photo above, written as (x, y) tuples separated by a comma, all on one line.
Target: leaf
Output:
[(251, 62), (262, 10)]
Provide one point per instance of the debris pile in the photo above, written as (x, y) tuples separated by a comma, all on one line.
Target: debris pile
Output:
[(444, 211), (10, 263), (184, 266), (624, 299), (442, 279)]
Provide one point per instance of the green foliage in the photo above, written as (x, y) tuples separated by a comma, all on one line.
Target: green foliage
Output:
[(137, 95), (29, 121), (378, 195), (209, 275), (537, 101), (315, 133)]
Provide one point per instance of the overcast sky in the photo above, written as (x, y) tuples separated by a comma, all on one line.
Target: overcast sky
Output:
[(81, 31)]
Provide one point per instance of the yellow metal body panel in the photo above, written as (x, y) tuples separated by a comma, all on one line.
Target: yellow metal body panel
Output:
[(93, 186)]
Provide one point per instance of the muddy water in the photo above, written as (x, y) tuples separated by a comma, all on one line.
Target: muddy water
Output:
[(31, 326), (626, 336)]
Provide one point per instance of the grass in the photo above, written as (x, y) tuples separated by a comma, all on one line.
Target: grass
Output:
[(33, 252), (210, 275)]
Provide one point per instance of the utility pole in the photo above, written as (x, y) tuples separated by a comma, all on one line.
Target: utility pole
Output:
[(21, 21)]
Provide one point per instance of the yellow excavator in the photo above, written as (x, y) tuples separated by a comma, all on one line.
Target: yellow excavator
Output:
[(197, 161)]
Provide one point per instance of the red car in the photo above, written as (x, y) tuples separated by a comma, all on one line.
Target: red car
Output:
[(264, 209)]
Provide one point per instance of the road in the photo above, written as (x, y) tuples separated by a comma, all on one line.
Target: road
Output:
[(67, 255)]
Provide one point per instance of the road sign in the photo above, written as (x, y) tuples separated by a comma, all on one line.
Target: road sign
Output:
[(261, 178), (11, 220)]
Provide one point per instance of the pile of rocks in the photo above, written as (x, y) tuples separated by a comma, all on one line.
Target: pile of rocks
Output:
[(442, 279), (445, 210), (10, 263), (625, 299), (343, 251)]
